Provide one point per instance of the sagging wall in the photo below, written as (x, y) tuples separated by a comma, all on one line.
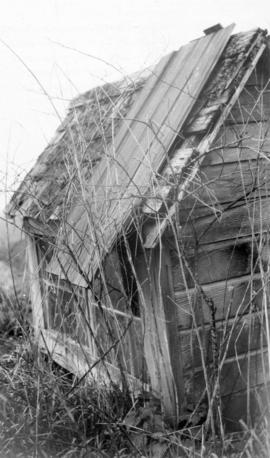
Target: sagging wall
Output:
[(220, 261), (124, 320)]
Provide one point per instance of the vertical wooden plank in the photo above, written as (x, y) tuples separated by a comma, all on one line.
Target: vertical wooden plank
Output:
[(171, 315), (35, 291), (155, 338)]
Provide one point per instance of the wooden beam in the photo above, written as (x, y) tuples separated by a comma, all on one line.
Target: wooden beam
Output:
[(171, 316), (156, 343), (35, 291)]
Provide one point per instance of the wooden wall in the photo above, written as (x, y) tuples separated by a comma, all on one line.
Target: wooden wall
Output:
[(223, 256)]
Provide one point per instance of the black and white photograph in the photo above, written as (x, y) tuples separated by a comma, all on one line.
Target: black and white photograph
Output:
[(135, 229)]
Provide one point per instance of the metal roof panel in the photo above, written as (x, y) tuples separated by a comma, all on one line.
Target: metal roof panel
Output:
[(139, 150)]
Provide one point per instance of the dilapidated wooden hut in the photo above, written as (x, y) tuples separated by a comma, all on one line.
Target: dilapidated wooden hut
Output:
[(148, 218)]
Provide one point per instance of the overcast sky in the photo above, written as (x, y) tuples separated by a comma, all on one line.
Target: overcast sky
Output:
[(128, 34)]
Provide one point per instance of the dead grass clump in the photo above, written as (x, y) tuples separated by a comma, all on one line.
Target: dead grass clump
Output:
[(15, 313), (40, 415), (44, 412)]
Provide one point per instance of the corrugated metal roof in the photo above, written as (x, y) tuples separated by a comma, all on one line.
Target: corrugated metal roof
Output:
[(139, 149)]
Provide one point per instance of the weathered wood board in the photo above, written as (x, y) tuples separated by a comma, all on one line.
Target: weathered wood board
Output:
[(249, 218), (232, 297), (235, 337), (239, 142), (155, 337), (35, 290), (237, 374), (224, 183), (215, 263), (253, 105)]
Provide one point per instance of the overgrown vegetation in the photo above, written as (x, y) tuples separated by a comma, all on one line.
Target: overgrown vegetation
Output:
[(121, 319), (43, 415)]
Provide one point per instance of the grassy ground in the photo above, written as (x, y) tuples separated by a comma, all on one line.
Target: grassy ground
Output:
[(42, 414)]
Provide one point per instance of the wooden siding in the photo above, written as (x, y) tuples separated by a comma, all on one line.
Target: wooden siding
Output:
[(215, 262), (236, 337), (202, 143), (239, 373), (239, 142), (231, 297), (247, 218), (221, 225)]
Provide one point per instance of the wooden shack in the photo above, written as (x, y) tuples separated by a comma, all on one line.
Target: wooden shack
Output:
[(148, 220)]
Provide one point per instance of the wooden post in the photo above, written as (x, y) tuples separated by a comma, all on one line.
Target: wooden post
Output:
[(35, 292), (172, 320), (156, 345)]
